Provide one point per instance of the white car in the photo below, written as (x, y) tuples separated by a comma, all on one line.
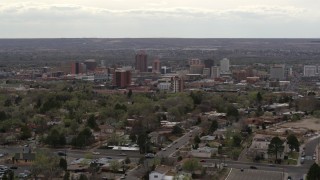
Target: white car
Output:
[(95, 153)]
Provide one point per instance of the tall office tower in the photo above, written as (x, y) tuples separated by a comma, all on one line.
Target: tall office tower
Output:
[(102, 63), (78, 68), (288, 72), (177, 84), (121, 78), (156, 66), (206, 72), (141, 62), (195, 62), (225, 65), (196, 69), (309, 71), (75, 68), (208, 63), (277, 72), (91, 64), (215, 72)]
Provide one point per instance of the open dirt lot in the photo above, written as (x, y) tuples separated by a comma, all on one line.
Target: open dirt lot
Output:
[(309, 123)]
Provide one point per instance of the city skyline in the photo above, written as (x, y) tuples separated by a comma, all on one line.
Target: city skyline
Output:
[(147, 19)]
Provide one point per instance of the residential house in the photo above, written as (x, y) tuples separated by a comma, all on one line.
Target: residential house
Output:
[(207, 139), (204, 152), (161, 173), (259, 147)]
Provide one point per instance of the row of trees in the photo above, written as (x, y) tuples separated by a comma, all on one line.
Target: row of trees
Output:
[(276, 146)]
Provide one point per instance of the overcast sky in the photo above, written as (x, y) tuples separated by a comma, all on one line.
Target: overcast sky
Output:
[(160, 18)]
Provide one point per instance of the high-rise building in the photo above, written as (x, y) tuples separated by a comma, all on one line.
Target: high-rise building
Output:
[(165, 70), (277, 72), (208, 63), (141, 62), (206, 72), (91, 64), (75, 68), (309, 71), (196, 69), (215, 72), (225, 65), (195, 62), (177, 84), (78, 68), (121, 78), (156, 66)]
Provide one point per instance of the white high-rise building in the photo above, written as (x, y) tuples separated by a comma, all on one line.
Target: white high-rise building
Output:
[(309, 71), (225, 65), (215, 72)]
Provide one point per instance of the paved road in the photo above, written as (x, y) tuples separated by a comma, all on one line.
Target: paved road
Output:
[(296, 172), (251, 174), (170, 149), (75, 153), (176, 145)]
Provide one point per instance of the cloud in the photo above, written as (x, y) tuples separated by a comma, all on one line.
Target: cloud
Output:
[(71, 10), (72, 20)]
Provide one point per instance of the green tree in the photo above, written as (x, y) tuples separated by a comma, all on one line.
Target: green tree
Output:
[(143, 142), (196, 139), (7, 102), (214, 126), (232, 112), (314, 172), (259, 97), (63, 164), (66, 175), (275, 147), (11, 175), (91, 122), (83, 177), (236, 140), (5, 177), (127, 160), (45, 164), (293, 142), (133, 137), (55, 138), (129, 93), (191, 165), (25, 133), (196, 97), (115, 166), (176, 130), (84, 138)]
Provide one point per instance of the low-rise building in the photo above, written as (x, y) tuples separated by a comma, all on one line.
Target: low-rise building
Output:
[(161, 173), (204, 152)]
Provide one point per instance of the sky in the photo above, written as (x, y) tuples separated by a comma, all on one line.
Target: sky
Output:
[(159, 18)]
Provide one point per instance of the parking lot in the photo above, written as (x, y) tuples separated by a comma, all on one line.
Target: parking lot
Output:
[(253, 174)]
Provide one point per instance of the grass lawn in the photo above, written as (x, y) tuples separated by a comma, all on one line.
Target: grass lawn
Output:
[(292, 158)]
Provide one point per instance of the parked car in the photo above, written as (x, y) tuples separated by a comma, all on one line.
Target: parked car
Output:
[(202, 160), (60, 153), (14, 167), (149, 155), (95, 153), (253, 167)]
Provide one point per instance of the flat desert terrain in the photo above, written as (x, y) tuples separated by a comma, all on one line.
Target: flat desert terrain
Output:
[(309, 123)]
